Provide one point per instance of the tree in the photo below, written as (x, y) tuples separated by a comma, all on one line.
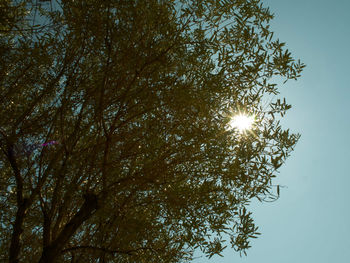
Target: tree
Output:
[(138, 95)]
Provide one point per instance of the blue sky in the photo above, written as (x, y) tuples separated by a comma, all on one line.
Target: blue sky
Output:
[(309, 223)]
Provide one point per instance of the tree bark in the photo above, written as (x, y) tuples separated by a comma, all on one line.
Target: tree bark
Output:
[(52, 251)]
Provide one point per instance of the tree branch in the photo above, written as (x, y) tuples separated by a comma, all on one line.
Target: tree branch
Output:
[(22, 206), (51, 252)]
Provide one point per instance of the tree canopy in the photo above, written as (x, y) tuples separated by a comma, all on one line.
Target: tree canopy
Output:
[(115, 136)]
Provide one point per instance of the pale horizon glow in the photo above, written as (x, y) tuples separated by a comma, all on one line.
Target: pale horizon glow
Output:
[(241, 122)]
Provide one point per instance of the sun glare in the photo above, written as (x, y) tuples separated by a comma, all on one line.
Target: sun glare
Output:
[(241, 122)]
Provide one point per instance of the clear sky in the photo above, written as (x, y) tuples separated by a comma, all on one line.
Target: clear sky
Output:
[(311, 220)]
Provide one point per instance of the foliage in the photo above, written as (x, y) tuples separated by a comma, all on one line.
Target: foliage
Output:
[(139, 95)]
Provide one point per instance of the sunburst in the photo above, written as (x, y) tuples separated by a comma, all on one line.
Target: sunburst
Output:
[(242, 122)]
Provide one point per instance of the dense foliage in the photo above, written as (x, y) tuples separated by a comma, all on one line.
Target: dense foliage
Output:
[(138, 95)]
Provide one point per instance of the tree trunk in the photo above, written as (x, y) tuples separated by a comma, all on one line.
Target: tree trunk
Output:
[(52, 251), (17, 231)]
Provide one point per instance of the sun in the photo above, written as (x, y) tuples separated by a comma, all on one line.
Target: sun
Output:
[(241, 122)]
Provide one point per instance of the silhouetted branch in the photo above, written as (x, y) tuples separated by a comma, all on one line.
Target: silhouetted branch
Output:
[(22, 205), (51, 252)]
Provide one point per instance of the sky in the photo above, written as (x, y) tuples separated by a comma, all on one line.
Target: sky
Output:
[(310, 220)]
